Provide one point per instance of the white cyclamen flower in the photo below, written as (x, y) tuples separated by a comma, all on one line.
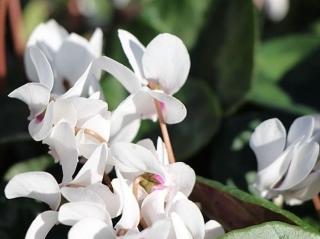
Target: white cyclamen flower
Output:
[(68, 54), (288, 163), (160, 70), (46, 109)]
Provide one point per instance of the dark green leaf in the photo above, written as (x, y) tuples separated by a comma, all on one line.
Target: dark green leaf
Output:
[(271, 230), (236, 209)]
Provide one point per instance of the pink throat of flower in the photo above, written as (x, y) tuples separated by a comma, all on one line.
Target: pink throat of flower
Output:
[(40, 117)]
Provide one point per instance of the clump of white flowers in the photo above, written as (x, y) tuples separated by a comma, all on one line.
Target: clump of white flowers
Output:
[(148, 196), (288, 163)]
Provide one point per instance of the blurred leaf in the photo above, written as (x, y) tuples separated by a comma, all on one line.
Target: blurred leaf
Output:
[(35, 12), (271, 230), (35, 164), (236, 209), (270, 95), (225, 51), (277, 56), (202, 121), (181, 17), (113, 91)]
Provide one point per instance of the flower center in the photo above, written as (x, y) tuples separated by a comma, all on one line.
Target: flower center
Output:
[(151, 182), (40, 117)]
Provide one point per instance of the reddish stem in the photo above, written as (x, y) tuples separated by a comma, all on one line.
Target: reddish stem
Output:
[(316, 204), (3, 68), (15, 18)]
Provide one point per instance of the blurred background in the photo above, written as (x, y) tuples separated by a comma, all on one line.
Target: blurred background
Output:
[(250, 60)]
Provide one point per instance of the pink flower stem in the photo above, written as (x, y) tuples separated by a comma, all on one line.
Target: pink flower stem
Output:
[(15, 18), (316, 204), (3, 65), (165, 133)]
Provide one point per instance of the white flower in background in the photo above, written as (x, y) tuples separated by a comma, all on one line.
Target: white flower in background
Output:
[(68, 54), (288, 163), (46, 109), (276, 10), (160, 70)]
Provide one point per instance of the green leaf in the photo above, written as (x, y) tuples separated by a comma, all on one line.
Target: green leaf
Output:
[(271, 230), (202, 121), (236, 209), (181, 17), (277, 56), (225, 52), (35, 164)]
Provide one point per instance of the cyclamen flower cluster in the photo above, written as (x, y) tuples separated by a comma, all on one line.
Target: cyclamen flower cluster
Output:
[(148, 197), (288, 164)]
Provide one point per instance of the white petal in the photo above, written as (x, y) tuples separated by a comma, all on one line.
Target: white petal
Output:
[(130, 212), (81, 194), (213, 230), (125, 122), (42, 224), (134, 51), (178, 227), (190, 215), (159, 230), (73, 57), (124, 75), (162, 154), (172, 109), (71, 213), (304, 159), (91, 228), (133, 158), (166, 61), (48, 36), (271, 175), (37, 185), (96, 42), (92, 171), (64, 110), (268, 141), (184, 177), (42, 66), (148, 144), (62, 142), (307, 190), (40, 128), (35, 95), (301, 127), (152, 208)]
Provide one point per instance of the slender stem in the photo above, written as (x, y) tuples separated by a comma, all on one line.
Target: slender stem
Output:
[(316, 203), (16, 25), (165, 133), (3, 67)]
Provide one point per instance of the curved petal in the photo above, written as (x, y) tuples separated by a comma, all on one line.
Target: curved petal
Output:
[(42, 224), (184, 177), (268, 141), (62, 142), (301, 127), (130, 211), (39, 128), (123, 74), (162, 154), (134, 51), (71, 213), (190, 215), (271, 175), (152, 208), (92, 171), (64, 110), (37, 185), (304, 159), (178, 227), (213, 230), (96, 42), (35, 95), (125, 122), (91, 228), (158, 230), (48, 36), (133, 158), (172, 109), (307, 190), (42, 66), (166, 61), (73, 57)]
